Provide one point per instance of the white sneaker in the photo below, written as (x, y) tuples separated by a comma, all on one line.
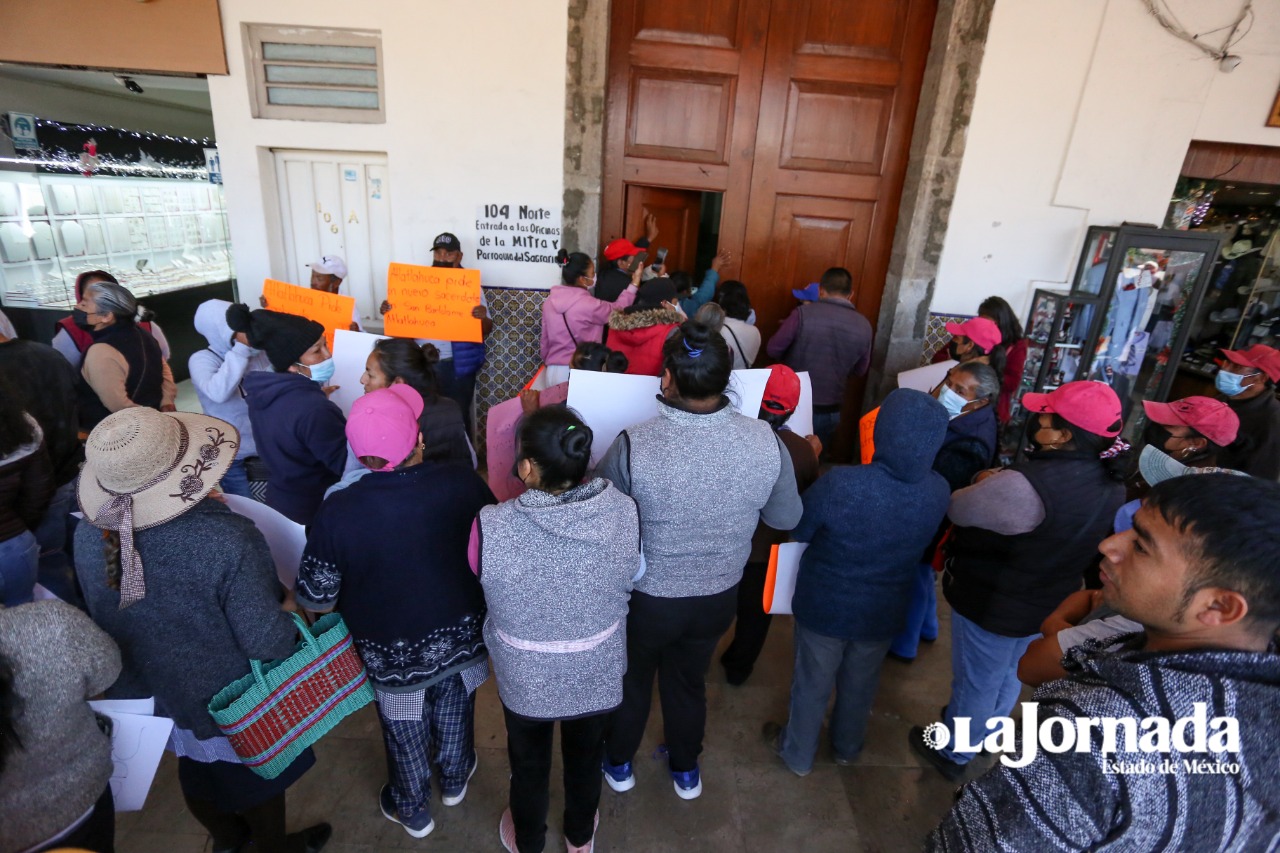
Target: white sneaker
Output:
[(452, 798)]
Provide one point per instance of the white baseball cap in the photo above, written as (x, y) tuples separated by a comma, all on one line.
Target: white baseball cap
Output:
[(330, 265)]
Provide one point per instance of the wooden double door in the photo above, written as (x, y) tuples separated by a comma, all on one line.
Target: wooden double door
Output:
[(798, 111)]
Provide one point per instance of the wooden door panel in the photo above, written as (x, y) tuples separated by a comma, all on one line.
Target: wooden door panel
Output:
[(808, 236), (837, 102), (709, 23), (835, 127), (674, 53), (678, 213), (678, 116), (840, 28)]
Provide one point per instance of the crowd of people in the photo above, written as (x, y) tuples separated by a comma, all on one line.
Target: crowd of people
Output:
[(1114, 584)]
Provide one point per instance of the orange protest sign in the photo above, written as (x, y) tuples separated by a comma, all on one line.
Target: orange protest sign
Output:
[(433, 302), (867, 434), (331, 310)]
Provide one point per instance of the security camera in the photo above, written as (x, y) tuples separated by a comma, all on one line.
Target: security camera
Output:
[(130, 84)]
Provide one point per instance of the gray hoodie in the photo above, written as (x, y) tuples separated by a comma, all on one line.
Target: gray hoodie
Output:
[(702, 483), (556, 572), (216, 372)]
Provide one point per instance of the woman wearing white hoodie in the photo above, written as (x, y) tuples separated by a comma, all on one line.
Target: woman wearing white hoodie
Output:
[(216, 373)]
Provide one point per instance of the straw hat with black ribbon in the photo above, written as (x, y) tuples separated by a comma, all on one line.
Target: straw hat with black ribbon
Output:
[(143, 468)]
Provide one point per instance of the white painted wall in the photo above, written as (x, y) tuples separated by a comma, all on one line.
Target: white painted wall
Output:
[(475, 115), (1083, 115)]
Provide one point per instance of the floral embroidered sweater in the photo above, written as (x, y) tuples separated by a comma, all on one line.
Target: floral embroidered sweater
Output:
[(390, 553)]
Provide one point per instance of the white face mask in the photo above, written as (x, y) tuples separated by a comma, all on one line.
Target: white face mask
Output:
[(952, 402)]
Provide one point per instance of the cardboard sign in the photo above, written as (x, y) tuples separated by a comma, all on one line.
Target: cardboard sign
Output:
[(780, 581), (331, 310), (138, 741), (433, 302), (350, 352), (500, 440), (926, 378), (867, 435)]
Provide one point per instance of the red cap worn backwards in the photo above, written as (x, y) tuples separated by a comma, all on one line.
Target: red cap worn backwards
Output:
[(620, 248), (782, 391), (1092, 406)]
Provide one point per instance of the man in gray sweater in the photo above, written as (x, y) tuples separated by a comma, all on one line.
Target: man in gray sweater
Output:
[(1174, 740)]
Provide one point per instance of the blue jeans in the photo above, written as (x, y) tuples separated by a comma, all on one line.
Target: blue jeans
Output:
[(922, 615), (52, 529), (984, 679), (824, 427), (852, 669), (19, 561), (236, 480), (459, 387)]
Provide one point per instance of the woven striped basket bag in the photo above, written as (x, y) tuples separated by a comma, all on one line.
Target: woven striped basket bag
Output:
[(282, 707)]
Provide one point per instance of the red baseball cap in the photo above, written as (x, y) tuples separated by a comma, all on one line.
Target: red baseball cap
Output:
[(1092, 406), (1264, 358), (1213, 419), (782, 391), (620, 248), (983, 332)]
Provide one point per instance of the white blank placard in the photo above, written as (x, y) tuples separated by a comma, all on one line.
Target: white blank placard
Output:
[(611, 402), (801, 422), (350, 352)]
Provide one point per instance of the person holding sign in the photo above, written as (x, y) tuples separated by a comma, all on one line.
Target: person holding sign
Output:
[(866, 526), (702, 476), (327, 275), (298, 431), (572, 316), (460, 361)]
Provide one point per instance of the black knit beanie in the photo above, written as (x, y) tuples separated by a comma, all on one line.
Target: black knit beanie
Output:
[(283, 337)]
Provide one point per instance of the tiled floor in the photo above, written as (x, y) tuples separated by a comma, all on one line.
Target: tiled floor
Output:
[(750, 802)]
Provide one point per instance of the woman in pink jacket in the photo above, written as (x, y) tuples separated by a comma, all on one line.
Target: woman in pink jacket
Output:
[(572, 316)]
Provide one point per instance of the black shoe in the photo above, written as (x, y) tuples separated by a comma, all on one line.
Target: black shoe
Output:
[(901, 658), (771, 732), (315, 837), (950, 770)]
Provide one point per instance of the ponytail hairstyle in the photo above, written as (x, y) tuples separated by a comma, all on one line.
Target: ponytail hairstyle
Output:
[(698, 360), (556, 440), (113, 298), (1113, 453), (596, 357), (573, 265), (402, 358)]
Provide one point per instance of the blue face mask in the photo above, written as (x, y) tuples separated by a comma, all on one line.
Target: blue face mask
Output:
[(1230, 384), (952, 402), (321, 371)]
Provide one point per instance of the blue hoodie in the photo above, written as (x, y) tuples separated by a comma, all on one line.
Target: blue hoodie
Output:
[(867, 525), (301, 436)]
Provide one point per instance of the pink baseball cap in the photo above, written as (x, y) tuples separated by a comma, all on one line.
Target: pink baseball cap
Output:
[(983, 332), (1092, 406), (1213, 419), (384, 423), (1262, 357)]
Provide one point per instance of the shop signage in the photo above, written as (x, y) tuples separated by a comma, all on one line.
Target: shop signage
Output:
[(22, 128), (213, 163)]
